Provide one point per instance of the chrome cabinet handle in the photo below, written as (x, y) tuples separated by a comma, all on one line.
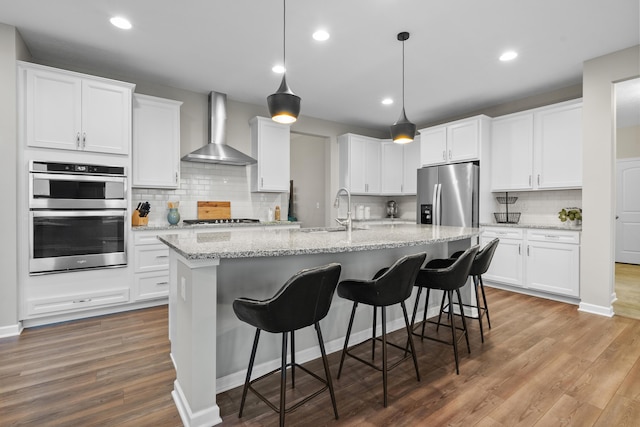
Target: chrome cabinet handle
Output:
[(519, 249), (261, 182), (80, 301), (162, 283), (176, 177), (527, 250), (84, 140), (78, 140), (538, 179), (529, 180), (449, 154), (444, 154)]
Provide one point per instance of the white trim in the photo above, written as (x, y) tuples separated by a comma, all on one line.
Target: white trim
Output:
[(596, 309), (204, 418), (11, 330)]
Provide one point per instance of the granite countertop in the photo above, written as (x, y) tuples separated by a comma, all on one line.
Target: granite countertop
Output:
[(183, 226), (559, 226), (201, 244)]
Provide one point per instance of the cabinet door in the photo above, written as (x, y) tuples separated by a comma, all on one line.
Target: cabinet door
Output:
[(156, 142), (53, 110), (372, 167), (433, 146), (392, 172), (271, 147), (463, 141), (506, 265), (553, 267), (558, 142), (411, 163), (106, 117), (512, 153)]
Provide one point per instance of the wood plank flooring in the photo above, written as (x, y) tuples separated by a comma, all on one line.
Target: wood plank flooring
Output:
[(627, 290), (542, 364)]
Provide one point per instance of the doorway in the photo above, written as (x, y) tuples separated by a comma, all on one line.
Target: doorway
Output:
[(309, 164), (627, 247)]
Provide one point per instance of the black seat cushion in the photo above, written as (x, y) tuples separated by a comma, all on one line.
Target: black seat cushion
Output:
[(389, 286), (483, 259), (447, 274), (302, 301)]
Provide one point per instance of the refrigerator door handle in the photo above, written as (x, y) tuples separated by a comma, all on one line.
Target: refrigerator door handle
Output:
[(437, 207), (434, 205)]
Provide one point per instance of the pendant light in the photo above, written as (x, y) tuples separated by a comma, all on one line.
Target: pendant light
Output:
[(403, 131), (284, 105)]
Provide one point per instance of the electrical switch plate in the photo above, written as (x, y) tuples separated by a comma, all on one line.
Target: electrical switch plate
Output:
[(183, 288)]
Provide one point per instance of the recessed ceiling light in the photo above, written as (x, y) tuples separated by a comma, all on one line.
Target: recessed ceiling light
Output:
[(321, 35), (508, 56), (278, 69), (121, 22), (387, 101)]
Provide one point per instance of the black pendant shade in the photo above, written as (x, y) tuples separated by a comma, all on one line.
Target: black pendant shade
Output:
[(284, 105), (403, 131)]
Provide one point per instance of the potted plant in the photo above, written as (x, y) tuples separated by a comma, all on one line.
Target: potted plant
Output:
[(571, 214)]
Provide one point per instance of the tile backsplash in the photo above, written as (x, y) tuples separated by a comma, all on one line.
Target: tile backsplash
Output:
[(541, 207), (204, 181)]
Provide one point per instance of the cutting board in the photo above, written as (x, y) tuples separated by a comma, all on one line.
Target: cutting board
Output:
[(214, 210)]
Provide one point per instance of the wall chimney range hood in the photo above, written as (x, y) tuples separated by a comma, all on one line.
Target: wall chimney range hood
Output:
[(217, 150)]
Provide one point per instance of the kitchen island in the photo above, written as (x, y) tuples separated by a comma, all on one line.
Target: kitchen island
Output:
[(210, 347)]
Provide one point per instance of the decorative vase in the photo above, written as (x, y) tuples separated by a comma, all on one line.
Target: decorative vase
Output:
[(173, 216)]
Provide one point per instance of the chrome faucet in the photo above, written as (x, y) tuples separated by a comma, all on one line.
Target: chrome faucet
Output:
[(336, 204)]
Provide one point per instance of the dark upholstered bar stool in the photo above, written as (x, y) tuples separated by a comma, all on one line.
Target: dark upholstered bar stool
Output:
[(389, 286), (447, 275), (480, 266), (303, 301)]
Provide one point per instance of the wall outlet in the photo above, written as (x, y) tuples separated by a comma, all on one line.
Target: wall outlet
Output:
[(183, 288)]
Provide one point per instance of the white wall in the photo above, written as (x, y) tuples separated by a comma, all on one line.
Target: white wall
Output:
[(11, 48), (628, 142), (598, 193)]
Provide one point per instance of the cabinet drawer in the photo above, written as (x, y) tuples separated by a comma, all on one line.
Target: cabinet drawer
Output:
[(151, 258), (77, 301), (502, 232), (151, 285), (145, 238), (557, 236)]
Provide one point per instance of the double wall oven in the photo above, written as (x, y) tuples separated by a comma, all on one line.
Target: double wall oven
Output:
[(77, 217)]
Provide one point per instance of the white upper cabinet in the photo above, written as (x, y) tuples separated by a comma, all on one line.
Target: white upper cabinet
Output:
[(270, 146), (558, 147), (512, 152), (360, 166), (400, 164), (454, 142), (538, 149), (72, 111), (156, 142)]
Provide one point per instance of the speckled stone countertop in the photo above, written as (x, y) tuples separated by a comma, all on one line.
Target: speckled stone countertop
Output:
[(183, 226), (278, 242), (544, 226)]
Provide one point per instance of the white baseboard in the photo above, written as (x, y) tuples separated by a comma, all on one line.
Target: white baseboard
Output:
[(596, 309), (205, 417), (11, 330)]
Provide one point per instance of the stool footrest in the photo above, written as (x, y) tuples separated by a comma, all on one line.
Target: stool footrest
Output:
[(376, 367), (297, 404), (462, 335)]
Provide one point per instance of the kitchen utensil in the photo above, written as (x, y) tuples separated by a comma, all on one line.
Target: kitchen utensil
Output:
[(214, 210)]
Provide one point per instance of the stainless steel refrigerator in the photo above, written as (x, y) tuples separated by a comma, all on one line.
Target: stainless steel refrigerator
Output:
[(448, 195)]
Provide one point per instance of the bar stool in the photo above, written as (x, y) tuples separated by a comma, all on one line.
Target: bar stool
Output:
[(388, 287), (303, 301), (447, 275), (480, 266)]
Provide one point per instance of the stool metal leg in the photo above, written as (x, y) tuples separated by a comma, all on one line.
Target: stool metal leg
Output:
[(384, 354), (346, 339), (293, 359), (373, 334), (325, 362), (454, 339), (248, 377), (424, 316), (415, 307), (478, 307), (410, 336), (464, 322), (283, 378), (484, 297)]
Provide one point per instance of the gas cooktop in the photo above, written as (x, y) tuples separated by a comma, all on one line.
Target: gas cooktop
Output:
[(221, 221)]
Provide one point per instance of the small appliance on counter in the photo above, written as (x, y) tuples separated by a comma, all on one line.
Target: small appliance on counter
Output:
[(392, 209)]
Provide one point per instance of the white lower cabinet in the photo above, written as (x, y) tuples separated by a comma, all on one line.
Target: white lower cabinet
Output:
[(150, 266), (544, 260)]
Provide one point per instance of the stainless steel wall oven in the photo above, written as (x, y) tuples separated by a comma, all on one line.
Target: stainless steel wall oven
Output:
[(77, 217)]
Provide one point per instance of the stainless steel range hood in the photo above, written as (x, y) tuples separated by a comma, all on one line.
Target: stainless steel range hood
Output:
[(217, 150)]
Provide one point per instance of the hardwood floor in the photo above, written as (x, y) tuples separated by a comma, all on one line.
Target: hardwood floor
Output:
[(543, 363), (627, 290)]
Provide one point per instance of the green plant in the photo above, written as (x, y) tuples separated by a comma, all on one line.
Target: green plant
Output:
[(570, 213)]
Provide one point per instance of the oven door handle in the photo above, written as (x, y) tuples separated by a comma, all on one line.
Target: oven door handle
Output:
[(77, 213), (70, 177)]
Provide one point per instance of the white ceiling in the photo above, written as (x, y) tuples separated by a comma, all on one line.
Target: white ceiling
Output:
[(230, 47)]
